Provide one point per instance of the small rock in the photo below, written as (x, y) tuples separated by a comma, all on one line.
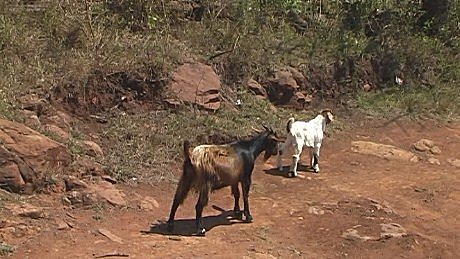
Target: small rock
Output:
[(423, 145), (303, 97), (352, 234), (109, 179), (110, 236), (256, 88), (315, 210), (387, 152), (31, 119), (367, 87), (32, 102), (355, 163), (60, 119), (9, 230), (26, 210), (414, 159), (81, 197), (61, 225), (64, 135), (435, 150), (66, 201), (392, 230), (298, 76), (111, 194), (72, 183), (92, 148), (434, 161), (149, 203), (86, 166), (454, 162), (382, 206)]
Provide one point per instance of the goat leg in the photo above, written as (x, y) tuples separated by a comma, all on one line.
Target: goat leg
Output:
[(246, 186), (236, 209), (316, 159), (296, 158), (181, 193), (202, 202)]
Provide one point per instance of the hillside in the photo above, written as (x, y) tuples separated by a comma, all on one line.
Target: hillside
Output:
[(97, 97)]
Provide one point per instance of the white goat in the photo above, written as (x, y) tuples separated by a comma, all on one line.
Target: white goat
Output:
[(308, 133)]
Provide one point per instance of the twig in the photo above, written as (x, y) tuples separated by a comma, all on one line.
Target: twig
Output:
[(113, 254), (226, 51), (220, 54)]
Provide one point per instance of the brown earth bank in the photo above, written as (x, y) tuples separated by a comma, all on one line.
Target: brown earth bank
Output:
[(362, 205)]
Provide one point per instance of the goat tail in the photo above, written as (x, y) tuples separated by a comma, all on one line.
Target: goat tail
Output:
[(289, 124), (187, 149)]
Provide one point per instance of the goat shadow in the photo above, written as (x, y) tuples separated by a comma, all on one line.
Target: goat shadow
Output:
[(187, 227), (285, 172)]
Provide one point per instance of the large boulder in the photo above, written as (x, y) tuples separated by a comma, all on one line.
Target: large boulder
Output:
[(26, 155), (284, 85), (195, 83)]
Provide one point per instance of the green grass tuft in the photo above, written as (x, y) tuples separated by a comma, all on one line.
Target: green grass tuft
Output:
[(441, 102), (6, 249)]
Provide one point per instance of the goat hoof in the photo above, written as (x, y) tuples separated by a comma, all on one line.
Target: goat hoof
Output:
[(291, 174), (201, 232), (170, 227), (238, 214), (249, 218)]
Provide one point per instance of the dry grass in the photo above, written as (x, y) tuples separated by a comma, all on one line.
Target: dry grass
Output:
[(64, 43), (145, 145)]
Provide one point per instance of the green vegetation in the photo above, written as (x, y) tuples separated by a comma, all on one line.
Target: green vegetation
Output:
[(63, 43), (340, 46), (6, 249)]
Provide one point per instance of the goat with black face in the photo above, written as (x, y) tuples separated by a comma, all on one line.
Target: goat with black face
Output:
[(211, 167)]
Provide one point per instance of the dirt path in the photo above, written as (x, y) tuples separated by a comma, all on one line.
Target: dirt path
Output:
[(343, 211)]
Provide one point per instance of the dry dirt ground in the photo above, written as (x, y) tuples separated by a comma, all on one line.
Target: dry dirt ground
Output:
[(341, 212)]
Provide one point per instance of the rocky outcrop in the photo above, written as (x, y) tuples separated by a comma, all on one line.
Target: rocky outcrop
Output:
[(424, 145), (195, 83), (26, 155), (288, 87)]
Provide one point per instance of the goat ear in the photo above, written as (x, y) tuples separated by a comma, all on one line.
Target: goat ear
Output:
[(268, 128), (330, 116), (328, 113)]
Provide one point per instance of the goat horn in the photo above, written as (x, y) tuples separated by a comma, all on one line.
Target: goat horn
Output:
[(256, 130)]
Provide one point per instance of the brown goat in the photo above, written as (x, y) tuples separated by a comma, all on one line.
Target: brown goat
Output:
[(211, 167)]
